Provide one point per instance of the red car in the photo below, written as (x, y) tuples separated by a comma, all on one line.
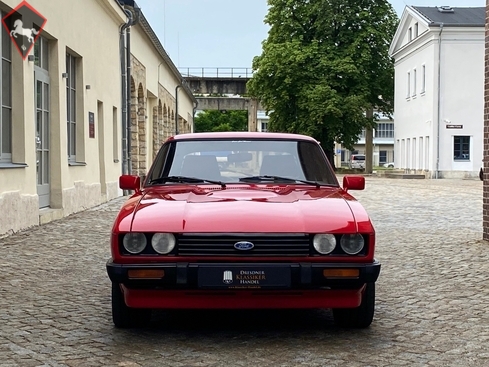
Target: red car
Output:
[(242, 221)]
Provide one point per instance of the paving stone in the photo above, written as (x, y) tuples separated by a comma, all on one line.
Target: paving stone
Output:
[(431, 310)]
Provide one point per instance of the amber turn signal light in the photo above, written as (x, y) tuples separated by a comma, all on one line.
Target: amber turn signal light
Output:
[(146, 273), (341, 273)]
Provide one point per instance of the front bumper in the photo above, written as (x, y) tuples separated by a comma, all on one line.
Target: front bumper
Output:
[(181, 275), (244, 285)]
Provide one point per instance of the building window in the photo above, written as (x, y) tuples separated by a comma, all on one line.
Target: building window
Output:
[(115, 133), (416, 30), (384, 130), (71, 105), (414, 82), (41, 53), (382, 156), (408, 85), (423, 80), (410, 34), (264, 127), (461, 148), (5, 97)]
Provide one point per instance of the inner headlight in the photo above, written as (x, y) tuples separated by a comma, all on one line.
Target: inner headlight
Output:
[(134, 243), (163, 243), (352, 244), (324, 243)]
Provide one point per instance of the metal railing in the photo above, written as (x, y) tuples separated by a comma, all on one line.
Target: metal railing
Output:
[(217, 72)]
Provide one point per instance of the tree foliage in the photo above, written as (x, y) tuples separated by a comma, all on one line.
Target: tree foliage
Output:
[(213, 120), (323, 65)]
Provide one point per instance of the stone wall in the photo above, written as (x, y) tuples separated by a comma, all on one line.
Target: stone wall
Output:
[(150, 128), (19, 212), (138, 118)]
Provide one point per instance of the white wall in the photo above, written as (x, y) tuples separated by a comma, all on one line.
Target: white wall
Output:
[(415, 113), (462, 101), (418, 126), (93, 37)]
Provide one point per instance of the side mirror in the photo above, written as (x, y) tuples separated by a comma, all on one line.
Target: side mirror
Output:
[(130, 182), (353, 183)]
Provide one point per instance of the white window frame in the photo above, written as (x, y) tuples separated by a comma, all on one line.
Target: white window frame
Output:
[(461, 150), (414, 82), (423, 80), (408, 94)]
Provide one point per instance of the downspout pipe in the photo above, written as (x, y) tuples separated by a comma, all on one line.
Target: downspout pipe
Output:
[(128, 89), (439, 106), (176, 108), (196, 104), (123, 91)]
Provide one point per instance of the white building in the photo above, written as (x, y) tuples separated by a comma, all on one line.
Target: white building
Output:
[(383, 143), (262, 121), (439, 90), (61, 125)]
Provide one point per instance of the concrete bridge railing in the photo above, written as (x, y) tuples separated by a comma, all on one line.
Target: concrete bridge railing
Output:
[(208, 83), (218, 72)]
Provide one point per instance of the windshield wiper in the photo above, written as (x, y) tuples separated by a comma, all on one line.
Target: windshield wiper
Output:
[(185, 179), (279, 178)]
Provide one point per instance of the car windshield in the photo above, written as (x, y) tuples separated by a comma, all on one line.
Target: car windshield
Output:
[(241, 161)]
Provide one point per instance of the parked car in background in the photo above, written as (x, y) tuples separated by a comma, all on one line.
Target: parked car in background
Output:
[(270, 229), (389, 165), (357, 161)]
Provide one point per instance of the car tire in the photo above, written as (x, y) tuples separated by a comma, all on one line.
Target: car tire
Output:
[(359, 317), (124, 316), (391, 166)]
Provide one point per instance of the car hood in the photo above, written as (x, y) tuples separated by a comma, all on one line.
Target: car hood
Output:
[(244, 209)]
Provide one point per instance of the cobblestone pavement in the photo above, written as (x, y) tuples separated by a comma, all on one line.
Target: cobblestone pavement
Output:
[(432, 296)]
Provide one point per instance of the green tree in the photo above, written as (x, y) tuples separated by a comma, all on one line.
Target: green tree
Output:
[(323, 65), (213, 120)]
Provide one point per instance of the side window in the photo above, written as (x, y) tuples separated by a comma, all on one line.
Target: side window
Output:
[(314, 163), (165, 155)]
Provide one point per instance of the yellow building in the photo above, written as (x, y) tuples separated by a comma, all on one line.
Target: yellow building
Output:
[(65, 112)]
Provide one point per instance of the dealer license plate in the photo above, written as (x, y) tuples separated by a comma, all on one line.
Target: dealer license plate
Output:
[(243, 277)]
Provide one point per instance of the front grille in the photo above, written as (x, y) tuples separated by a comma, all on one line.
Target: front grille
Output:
[(222, 244)]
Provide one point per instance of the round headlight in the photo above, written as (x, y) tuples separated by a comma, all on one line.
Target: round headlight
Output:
[(324, 243), (163, 243), (134, 243), (352, 244)]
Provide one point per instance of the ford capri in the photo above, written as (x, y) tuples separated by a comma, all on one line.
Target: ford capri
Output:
[(242, 220)]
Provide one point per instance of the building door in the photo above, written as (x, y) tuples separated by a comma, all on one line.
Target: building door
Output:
[(42, 136)]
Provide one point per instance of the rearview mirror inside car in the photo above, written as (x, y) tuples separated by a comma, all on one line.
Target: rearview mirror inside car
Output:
[(240, 157)]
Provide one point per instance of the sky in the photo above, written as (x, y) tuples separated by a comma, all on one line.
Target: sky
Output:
[(227, 33)]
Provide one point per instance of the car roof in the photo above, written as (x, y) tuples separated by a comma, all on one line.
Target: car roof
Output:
[(242, 135)]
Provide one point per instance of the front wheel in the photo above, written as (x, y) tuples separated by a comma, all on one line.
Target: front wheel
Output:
[(124, 316), (361, 316)]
